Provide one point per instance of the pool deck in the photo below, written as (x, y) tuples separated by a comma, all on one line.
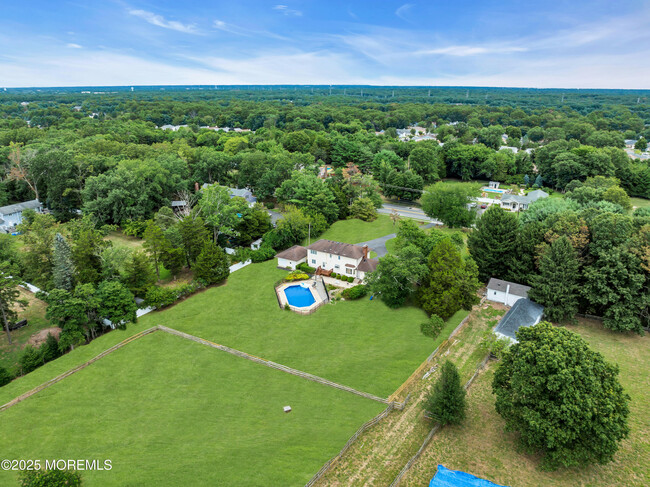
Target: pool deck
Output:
[(282, 298)]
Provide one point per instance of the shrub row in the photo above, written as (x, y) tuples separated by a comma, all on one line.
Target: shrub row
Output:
[(303, 266), (161, 297), (355, 292), (32, 358), (296, 276), (342, 277)]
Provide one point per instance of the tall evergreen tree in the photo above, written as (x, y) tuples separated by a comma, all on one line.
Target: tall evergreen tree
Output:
[(451, 283), (446, 403), (193, 234), (9, 298), (212, 264), (139, 273), (556, 285), (492, 243), (63, 271), (156, 244)]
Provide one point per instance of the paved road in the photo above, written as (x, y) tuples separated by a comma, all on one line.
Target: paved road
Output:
[(406, 211)]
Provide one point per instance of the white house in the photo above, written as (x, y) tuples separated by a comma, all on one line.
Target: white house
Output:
[(12, 215), (329, 256), (515, 202), (506, 292), (290, 258)]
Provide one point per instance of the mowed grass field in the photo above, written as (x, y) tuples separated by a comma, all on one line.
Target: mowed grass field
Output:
[(355, 231), (168, 411), (481, 447), (362, 344)]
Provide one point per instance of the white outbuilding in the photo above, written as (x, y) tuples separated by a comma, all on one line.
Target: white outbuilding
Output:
[(506, 292)]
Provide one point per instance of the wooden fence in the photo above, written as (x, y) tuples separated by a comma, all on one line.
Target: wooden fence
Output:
[(68, 373), (435, 429), (391, 406)]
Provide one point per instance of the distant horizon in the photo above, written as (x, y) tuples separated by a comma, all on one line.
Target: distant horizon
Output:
[(213, 87), (586, 44)]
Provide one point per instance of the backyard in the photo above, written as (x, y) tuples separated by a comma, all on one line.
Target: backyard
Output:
[(480, 445), (178, 410), (34, 313)]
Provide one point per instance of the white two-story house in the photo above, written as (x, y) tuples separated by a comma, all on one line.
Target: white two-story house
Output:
[(329, 256)]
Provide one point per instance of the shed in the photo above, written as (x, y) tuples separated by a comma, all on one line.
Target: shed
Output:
[(524, 313), (506, 292)]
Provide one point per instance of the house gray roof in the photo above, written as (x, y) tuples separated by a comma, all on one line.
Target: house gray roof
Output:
[(524, 313), (242, 193), (337, 248), (20, 207), (537, 194), (515, 288), (368, 265), (528, 199), (176, 203), (294, 253)]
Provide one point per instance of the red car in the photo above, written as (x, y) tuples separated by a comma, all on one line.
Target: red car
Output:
[(483, 206)]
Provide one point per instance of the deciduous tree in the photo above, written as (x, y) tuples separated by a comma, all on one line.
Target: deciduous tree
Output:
[(563, 399)]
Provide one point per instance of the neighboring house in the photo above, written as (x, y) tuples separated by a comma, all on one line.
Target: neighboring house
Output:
[(329, 256), (629, 143), (243, 193), (12, 215), (524, 313), (514, 202), (179, 205), (505, 292)]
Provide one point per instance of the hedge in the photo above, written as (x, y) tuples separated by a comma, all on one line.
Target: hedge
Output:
[(303, 266), (355, 292)]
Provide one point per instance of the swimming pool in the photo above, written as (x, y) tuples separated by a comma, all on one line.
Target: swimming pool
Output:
[(493, 190), (299, 296)]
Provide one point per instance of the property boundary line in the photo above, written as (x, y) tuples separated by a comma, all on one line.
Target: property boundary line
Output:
[(68, 373), (223, 348), (435, 429), (271, 364)]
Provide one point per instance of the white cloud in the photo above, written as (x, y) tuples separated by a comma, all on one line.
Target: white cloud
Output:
[(160, 21), (72, 45), (470, 50), (403, 10), (287, 11)]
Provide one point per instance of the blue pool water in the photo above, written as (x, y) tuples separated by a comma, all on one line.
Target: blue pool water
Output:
[(299, 296), (492, 190)]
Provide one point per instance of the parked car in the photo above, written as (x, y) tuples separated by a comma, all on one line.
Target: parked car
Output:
[(483, 206)]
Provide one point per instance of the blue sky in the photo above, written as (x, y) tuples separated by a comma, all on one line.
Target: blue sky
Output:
[(565, 44)]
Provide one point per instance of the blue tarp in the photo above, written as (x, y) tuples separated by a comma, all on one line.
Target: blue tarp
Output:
[(454, 478)]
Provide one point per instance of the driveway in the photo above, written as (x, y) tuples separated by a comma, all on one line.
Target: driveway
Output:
[(379, 244)]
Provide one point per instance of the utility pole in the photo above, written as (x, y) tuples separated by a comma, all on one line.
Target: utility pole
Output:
[(309, 237)]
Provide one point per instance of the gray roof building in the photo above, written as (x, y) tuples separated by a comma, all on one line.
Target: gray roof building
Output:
[(515, 288), (243, 193), (523, 313), (338, 248), (295, 253), (20, 207)]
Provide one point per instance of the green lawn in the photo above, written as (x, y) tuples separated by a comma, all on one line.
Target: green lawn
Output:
[(34, 313), (362, 344), (480, 445), (167, 411), (639, 202), (355, 231)]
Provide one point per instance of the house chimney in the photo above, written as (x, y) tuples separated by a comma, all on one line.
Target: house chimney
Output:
[(365, 251), (196, 187)]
